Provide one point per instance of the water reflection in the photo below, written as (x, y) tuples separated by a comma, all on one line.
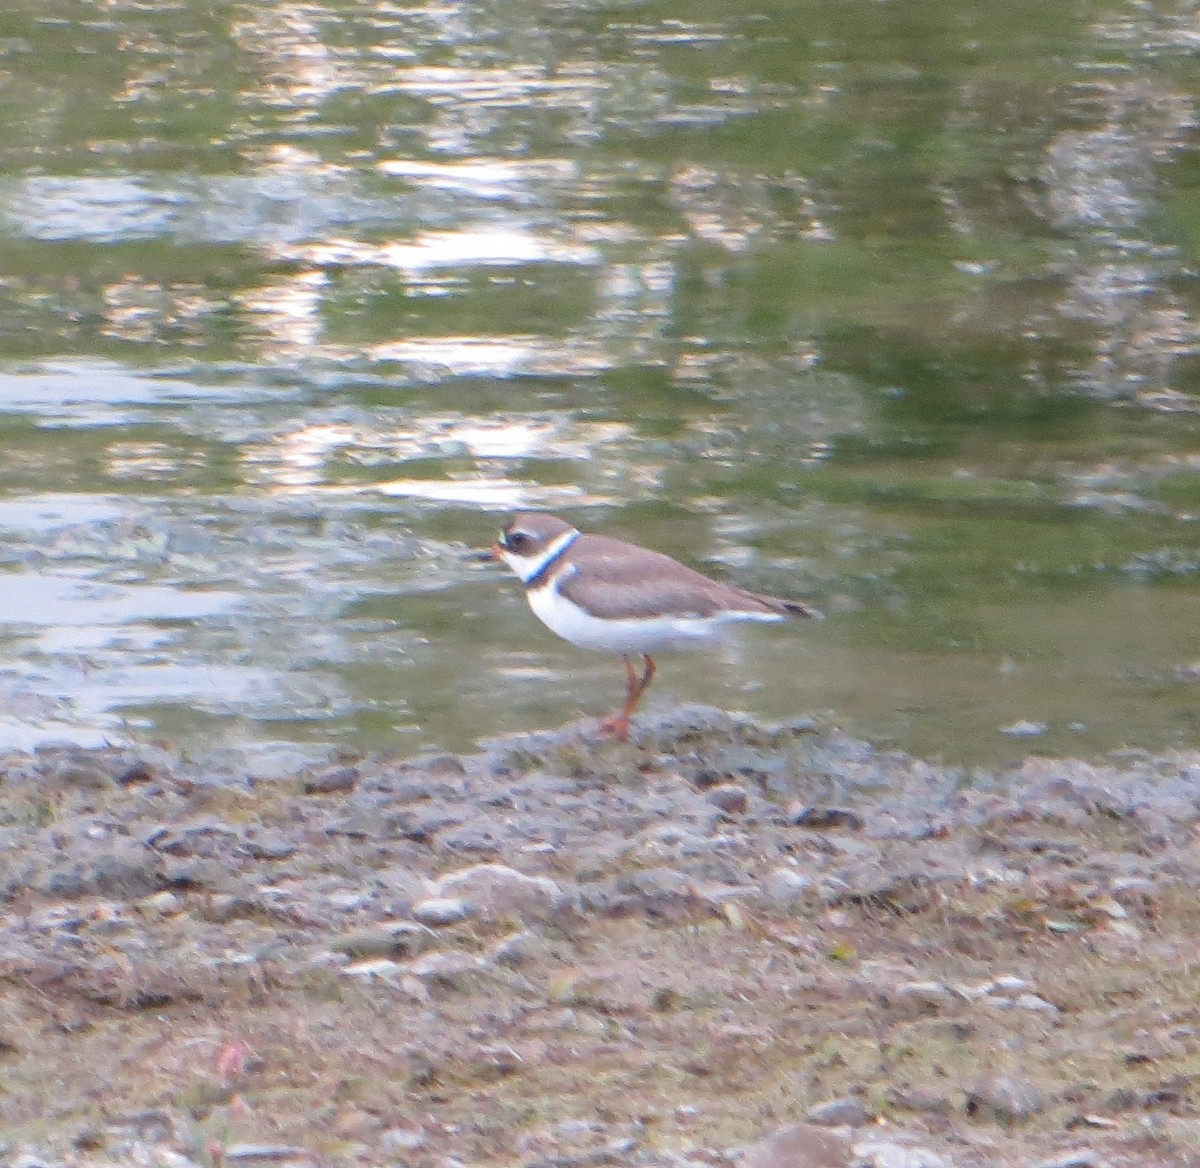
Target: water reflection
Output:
[(294, 302)]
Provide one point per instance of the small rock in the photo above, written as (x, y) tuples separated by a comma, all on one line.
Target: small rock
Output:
[(349, 900), (915, 998), (923, 1099), (497, 890), (496, 1061), (222, 907), (338, 781), (402, 790), (87, 1139), (169, 1158), (785, 885), (520, 949), (270, 847), (729, 797), (152, 1125), (804, 1145), (825, 818), (875, 1153), (82, 774), (28, 1160), (452, 971), (1024, 729), (353, 1123), (1008, 1099), (655, 883), (377, 967), (1135, 891), (397, 939), (1034, 1002), (1008, 984), (399, 1139), (243, 1153), (126, 873), (138, 772), (880, 887), (846, 1111), (672, 838), (161, 904), (441, 910), (1077, 1158), (210, 838)]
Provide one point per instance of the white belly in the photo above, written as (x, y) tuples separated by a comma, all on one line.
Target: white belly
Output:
[(630, 636)]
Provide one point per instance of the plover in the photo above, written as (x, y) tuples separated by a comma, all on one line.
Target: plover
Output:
[(603, 593)]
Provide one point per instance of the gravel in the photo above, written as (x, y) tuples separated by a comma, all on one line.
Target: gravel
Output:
[(720, 943)]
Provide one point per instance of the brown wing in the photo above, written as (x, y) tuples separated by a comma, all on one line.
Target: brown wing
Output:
[(612, 583)]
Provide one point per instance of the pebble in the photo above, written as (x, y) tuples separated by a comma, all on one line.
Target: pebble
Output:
[(1008, 1099), (452, 971), (1077, 1158), (915, 998), (520, 949), (655, 882), (920, 1098), (271, 1152), (270, 847), (210, 838), (393, 939), (353, 1123), (29, 1160), (875, 1153), (441, 910), (138, 772), (1135, 891), (125, 872), (348, 899), (167, 1158), (784, 885), (380, 967), (1024, 729), (152, 1124), (222, 907), (825, 818), (803, 1145), (728, 797), (846, 1111), (442, 765), (164, 904), (83, 775), (400, 1139), (497, 890), (338, 781), (1034, 1002), (1007, 984)]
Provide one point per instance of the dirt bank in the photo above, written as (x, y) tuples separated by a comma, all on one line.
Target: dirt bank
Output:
[(558, 952)]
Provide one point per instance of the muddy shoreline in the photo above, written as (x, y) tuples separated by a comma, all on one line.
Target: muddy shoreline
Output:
[(722, 942)]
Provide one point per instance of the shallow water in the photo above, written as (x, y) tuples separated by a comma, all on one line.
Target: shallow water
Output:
[(890, 308)]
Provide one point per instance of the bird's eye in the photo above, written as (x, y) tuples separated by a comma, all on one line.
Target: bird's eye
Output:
[(515, 540)]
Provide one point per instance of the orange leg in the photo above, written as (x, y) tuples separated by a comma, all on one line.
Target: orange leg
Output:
[(618, 724)]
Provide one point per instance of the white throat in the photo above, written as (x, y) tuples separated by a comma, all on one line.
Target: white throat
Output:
[(526, 567)]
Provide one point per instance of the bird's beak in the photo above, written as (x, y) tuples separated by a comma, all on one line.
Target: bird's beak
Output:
[(484, 554)]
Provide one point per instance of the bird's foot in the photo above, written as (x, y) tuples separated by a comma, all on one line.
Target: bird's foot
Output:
[(615, 726)]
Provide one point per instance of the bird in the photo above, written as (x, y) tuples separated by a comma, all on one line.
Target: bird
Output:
[(603, 593)]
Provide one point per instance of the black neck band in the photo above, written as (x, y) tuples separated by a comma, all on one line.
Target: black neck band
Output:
[(542, 574)]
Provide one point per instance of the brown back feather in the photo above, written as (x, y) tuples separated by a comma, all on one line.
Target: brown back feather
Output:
[(614, 585)]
